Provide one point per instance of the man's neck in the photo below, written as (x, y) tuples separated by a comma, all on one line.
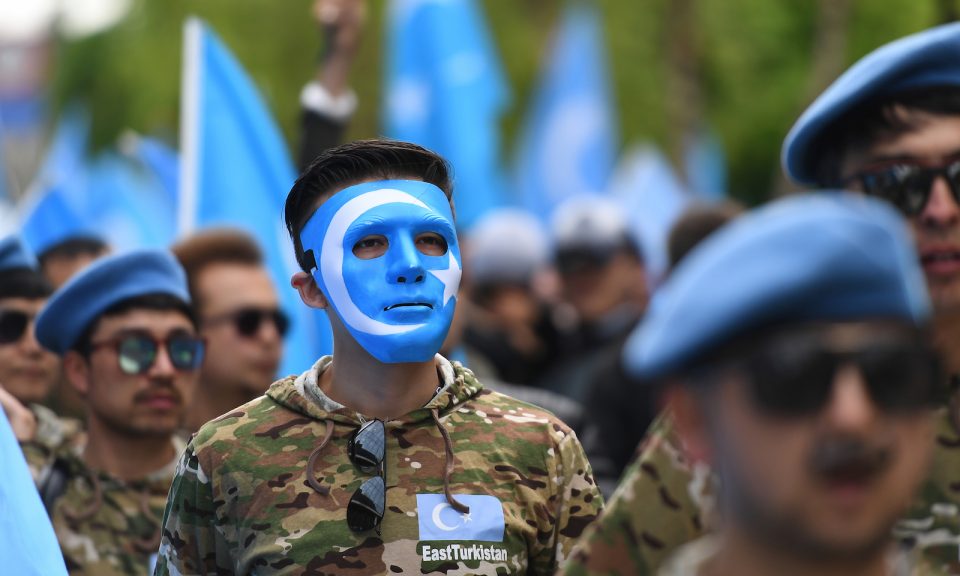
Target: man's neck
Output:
[(125, 456), (947, 338), (743, 555), (375, 389)]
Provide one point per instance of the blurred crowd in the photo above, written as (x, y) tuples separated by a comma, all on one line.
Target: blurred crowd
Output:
[(774, 398)]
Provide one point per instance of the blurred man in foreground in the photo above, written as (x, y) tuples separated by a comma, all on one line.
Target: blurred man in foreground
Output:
[(888, 128), (240, 320), (798, 361)]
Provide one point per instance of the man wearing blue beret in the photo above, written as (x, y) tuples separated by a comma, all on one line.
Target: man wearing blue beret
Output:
[(796, 352), (128, 339), (887, 127), (28, 372)]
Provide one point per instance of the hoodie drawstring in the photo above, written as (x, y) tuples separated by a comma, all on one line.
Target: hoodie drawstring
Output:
[(312, 462), (448, 464)]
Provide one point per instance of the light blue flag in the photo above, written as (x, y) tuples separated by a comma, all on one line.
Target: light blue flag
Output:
[(445, 90), (129, 205), (55, 206), (28, 545), (159, 158), (438, 521), (236, 171), (653, 198), (569, 142), (706, 166)]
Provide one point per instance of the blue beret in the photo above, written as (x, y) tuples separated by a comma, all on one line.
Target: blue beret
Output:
[(927, 59), (15, 254), (830, 257), (104, 283)]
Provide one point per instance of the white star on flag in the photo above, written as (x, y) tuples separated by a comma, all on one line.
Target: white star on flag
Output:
[(450, 277)]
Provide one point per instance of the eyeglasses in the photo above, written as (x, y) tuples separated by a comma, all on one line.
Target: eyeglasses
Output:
[(794, 377), (366, 449), (137, 353), (908, 186), (247, 321), (13, 325)]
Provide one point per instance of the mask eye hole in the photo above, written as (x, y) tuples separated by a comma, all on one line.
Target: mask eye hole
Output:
[(370, 247), (431, 244)]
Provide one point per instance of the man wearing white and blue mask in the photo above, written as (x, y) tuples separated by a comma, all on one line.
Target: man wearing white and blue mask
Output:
[(388, 263), (385, 457)]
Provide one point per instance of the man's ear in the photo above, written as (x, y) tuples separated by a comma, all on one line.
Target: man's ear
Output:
[(309, 291), (690, 418), (76, 370)]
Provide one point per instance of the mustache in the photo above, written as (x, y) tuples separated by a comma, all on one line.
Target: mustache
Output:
[(160, 388), (851, 459)]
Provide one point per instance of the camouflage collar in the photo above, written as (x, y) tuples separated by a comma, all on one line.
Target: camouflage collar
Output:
[(303, 395)]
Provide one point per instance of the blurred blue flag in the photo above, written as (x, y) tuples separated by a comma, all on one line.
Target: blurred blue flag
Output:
[(568, 146), (236, 171), (445, 91), (118, 199), (706, 166), (653, 197), (28, 544)]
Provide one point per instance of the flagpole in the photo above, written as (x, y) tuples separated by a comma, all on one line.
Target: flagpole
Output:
[(190, 94)]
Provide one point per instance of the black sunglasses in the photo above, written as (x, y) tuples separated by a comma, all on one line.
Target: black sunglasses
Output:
[(137, 353), (366, 448), (13, 325), (247, 321), (794, 377), (908, 186)]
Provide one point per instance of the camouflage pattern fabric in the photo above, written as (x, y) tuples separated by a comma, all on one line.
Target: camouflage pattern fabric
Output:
[(664, 501), (108, 527), (933, 522), (54, 435), (696, 557), (241, 503)]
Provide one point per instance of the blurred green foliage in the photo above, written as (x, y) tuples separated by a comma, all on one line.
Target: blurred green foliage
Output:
[(755, 65)]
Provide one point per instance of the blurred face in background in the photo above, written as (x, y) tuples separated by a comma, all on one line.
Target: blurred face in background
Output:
[(242, 324), (151, 403), (820, 437), (598, 282), (27, 370)]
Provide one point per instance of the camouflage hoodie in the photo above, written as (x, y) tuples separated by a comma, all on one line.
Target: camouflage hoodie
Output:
[(242, 501)]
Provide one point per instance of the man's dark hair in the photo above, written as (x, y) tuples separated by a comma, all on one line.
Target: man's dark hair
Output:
[(215, 246), (694, 225), (355, 162), (882, 118), (72, 247), (24, 283), (160, 301)]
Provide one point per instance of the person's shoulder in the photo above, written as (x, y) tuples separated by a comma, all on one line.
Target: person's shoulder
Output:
[(512, 411), (238, 424)]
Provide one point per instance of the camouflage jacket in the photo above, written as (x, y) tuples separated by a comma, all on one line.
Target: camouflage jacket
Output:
[(108, 527), (695, 558), (241, 503), (54, 436), (664, 501)]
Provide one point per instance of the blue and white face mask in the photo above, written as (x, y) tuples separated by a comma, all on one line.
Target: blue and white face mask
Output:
[(388, 262)]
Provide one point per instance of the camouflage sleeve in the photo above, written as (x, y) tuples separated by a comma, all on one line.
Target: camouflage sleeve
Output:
[(578, 502), (191, 542), (659, 506)]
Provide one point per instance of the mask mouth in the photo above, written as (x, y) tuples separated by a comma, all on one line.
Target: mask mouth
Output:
[(407, 305)]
